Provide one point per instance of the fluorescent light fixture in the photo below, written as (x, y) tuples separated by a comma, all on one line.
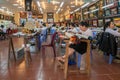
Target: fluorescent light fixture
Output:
[(58, 10), (107, 5), (41, 9), (15, 4), (86, 12), (3, 7), (85, 5), (94, 10), (19, 7), (77, 10), (55, 2), (72, 6), (72, 12), (38, 3), (61, 4)]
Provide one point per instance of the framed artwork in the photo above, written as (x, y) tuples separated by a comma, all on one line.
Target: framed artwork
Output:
[(95, 23), (100, 22), (1, 16), (107, 12), (114, 11), (50, 15), (118, 10)]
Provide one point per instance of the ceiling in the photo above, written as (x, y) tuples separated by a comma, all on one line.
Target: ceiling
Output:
[(46, 5), (7, 5), (52, 7)]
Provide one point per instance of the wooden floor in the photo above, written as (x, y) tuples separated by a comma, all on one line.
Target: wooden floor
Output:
[(44, 67)]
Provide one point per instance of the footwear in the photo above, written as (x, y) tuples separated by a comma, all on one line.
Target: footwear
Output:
[(82, 68), (61, 60)]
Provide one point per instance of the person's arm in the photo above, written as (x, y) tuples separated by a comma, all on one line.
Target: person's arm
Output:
[(115, 33)]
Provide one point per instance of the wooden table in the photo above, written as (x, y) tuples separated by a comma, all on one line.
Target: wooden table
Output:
[(88, 67), (27, 54)]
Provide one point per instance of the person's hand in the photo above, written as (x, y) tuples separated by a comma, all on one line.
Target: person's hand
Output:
[(79, 33)]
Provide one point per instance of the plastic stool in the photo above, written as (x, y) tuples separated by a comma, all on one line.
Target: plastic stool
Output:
[(79, 58), (110, 58)]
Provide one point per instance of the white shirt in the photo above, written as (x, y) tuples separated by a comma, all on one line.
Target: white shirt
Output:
[(76, 30), (113, 32), (88, 32)]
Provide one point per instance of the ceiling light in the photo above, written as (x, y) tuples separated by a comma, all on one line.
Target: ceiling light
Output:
[(72, 6), (76, 9), (61, 4), (19, 7), (15, 4), (85, 5), (94, 10), (58, 10), (108, 5), (72, 12), (55, 2), (38, 3), (86, 12), (3, 7)]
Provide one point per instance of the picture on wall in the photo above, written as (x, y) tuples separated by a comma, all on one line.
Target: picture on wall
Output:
[(100, 23), (1, 16), (95, 23), (114, 11), (107, 12), (106, 20), (117, 21)]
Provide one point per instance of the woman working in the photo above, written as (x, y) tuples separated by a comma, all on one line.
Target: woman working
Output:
[(79, 47)]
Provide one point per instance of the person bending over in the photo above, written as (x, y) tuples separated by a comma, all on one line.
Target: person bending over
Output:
[(79, 47)]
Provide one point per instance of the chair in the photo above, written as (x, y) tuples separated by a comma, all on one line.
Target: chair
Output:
[(52, 44), (79, 58), (110, 46), (43, 35), (110, 58), (52, 30)]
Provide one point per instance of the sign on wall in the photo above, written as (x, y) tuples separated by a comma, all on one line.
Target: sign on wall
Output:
[(28, 5), (50, 15)]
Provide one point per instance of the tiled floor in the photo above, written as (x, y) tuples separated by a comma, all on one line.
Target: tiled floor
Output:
[(44, 67)]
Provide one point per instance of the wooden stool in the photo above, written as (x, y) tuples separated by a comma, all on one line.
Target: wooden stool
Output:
[(88, 67)]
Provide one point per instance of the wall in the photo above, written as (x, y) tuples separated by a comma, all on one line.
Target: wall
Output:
[(17, 18), (56, 18), (45, 17)]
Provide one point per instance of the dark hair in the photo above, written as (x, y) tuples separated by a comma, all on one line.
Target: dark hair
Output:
[(44, 24), (72, 24), (82, 23), (107, 24), (54, 25), (2, 26)]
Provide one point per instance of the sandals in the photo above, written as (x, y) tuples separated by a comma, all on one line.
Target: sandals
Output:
[(61, 60)]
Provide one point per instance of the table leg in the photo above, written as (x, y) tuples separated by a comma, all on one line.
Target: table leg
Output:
[(66, 61), (88, 58)]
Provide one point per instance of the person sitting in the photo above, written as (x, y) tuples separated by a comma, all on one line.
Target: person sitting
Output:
[(109, 27), (79, 47)]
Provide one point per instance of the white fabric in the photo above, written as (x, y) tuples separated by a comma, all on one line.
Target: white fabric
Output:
[(113, 32), (76, 30), (88, 32)]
